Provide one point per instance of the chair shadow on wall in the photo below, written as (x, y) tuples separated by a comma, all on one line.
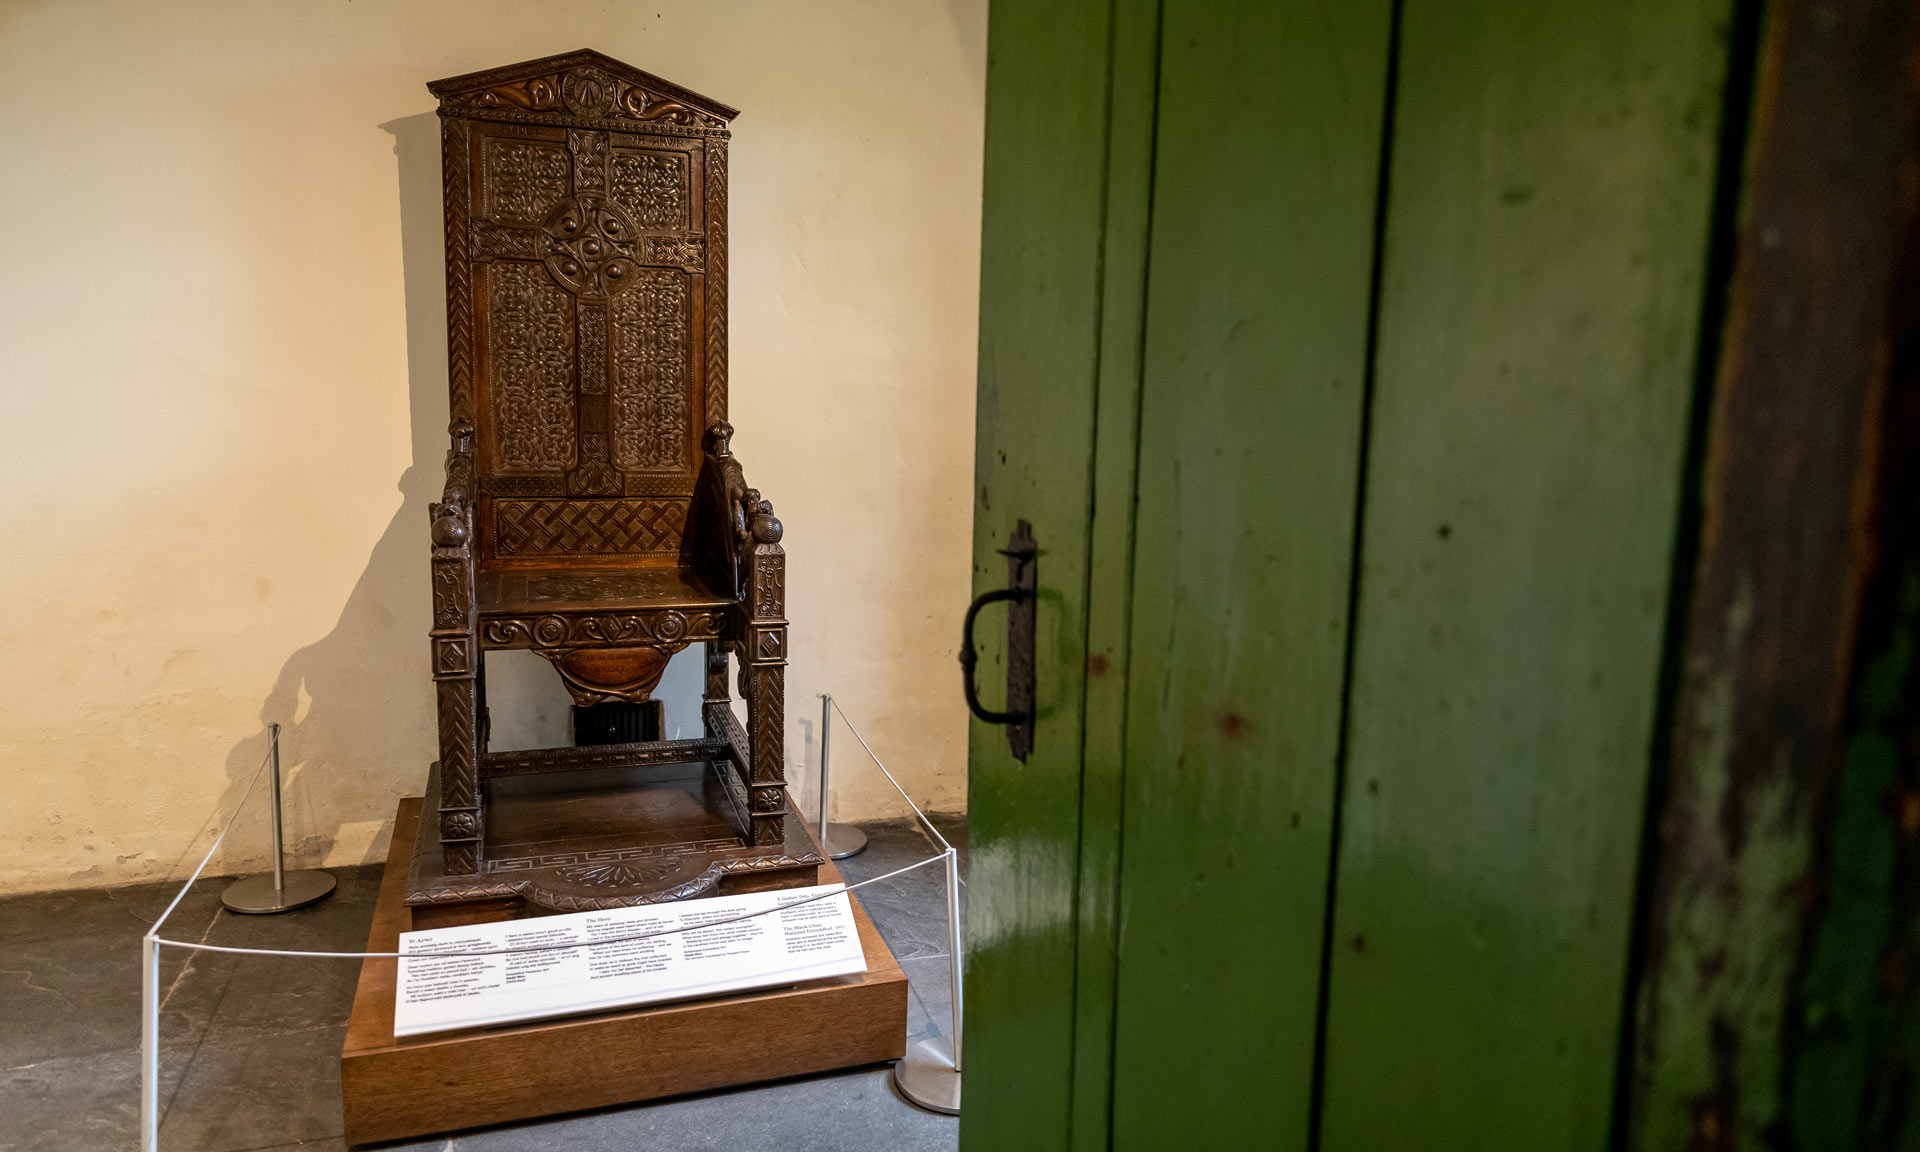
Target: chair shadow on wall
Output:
[(355, 707)]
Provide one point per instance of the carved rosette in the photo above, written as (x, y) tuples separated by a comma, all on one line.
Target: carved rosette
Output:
[(461, 825), (589, 247)]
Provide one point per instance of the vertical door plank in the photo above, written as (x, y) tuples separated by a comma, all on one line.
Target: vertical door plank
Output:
[(1548, 220), (1040, 295), (1132, 104), (1264, 193)]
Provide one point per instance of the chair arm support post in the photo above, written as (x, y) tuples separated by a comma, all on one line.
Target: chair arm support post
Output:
[(763, 657), (456, 656)]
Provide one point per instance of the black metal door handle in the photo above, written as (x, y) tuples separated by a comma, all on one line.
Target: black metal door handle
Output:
[(969, 658), (1022, 555)]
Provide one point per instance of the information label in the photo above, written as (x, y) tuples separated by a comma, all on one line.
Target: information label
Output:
[(597, 968)]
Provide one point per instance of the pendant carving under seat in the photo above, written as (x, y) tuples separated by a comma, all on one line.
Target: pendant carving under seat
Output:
[(593, 510)]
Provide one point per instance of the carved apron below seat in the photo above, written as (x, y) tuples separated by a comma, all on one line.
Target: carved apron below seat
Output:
[(593, 510)]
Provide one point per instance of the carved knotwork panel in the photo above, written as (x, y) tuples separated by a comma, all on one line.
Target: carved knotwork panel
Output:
[(655, 186), (589, 160), (594, 527), (490, 241), (593, 351), (522, 178), (687, 252), (651, 408), (530, 350), (523, 486), (594, 476)]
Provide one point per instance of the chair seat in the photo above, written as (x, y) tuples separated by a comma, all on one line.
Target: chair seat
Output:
[(562, 591)]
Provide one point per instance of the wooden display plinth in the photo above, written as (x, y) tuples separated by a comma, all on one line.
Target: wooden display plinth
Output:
[(397, 1089)]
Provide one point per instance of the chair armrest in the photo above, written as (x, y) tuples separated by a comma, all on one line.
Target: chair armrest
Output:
[(726, 520)]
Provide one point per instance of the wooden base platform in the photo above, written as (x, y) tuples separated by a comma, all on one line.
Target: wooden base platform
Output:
[(398, 1089)]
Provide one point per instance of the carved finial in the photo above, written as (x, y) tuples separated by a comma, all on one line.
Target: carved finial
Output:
[(449, 525), (766, 526), (719, 439), (461, 432)]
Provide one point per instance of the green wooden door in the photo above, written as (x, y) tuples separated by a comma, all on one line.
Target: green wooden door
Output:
[(1340, 355), (1251, 402)]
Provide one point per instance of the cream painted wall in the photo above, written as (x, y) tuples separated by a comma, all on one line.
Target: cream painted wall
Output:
[(223, 370)]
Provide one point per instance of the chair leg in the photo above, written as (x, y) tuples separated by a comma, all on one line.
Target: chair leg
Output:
[(717, 673), (766, 726), (763, 653), (459, 778)]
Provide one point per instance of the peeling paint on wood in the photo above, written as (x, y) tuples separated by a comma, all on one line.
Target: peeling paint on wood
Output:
[(1767, 646)]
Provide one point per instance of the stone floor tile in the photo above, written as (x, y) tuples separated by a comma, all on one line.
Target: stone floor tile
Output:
[(250, 1059)]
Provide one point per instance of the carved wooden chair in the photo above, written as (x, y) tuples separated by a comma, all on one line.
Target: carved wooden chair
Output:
[(593, 511)]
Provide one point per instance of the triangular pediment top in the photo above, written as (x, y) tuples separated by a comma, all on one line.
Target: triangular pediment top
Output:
[(585, 84)]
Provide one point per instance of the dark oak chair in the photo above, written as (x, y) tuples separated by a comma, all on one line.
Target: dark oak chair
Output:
[(593, 511)]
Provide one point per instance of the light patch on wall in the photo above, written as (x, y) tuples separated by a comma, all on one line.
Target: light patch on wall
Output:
[(358, 842)]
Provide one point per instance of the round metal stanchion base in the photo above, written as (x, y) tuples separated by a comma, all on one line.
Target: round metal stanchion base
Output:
[(926, 1076), (844, 840), (255, 895)]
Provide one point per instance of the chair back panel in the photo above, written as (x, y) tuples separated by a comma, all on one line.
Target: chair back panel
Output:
[(594, 270)]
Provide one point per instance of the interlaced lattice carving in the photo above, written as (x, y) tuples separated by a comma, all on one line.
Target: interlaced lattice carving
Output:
[(650, 380), (531, 348), (523, 179), (589, 160), (540, 527), (652, 185)]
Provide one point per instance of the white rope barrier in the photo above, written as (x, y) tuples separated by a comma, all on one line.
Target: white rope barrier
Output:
[(215, 846), (196, 947), (883, 771), (152, 941)]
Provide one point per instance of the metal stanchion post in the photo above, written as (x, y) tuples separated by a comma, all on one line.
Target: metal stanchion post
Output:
[(838, 841), (149, 1044), (929, 1074), (283, 890)]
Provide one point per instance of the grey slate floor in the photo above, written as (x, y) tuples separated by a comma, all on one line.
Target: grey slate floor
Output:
[(250, 1046)]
